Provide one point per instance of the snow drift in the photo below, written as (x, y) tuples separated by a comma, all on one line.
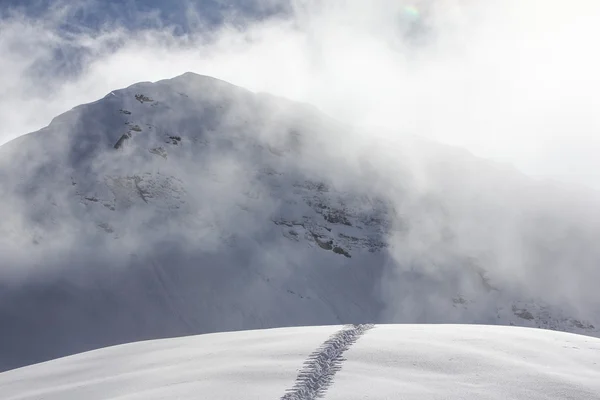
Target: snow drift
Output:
[(333, 362)]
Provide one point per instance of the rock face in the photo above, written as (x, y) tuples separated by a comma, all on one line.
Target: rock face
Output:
[(191, 205)]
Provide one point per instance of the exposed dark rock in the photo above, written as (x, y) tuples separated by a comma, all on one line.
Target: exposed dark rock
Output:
[(339, 250), (159, 151), (522, 313), (142, 98), (174, 140), (121, 140)]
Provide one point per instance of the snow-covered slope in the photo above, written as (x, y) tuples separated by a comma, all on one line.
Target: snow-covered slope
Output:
[(191, 206), (334, 362)]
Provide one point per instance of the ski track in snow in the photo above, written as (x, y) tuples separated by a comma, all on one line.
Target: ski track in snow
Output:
[(319, 369)]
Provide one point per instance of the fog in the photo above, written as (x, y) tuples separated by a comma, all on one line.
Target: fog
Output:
[(449, 122), (514, 81)]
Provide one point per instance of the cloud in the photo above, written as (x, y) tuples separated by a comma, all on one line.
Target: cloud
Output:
[(514, 81)]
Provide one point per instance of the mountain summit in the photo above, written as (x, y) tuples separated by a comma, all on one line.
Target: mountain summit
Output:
[(191, 205)]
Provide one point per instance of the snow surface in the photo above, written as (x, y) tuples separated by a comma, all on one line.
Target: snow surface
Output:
[(418, 362), (191, 206)]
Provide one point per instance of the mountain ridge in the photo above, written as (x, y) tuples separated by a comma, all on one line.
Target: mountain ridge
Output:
[(191, 205)]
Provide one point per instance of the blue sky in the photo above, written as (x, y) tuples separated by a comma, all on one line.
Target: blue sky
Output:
[(93, 14), (180, 17)]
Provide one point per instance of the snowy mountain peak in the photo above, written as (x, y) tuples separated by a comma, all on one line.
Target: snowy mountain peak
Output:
[(191, 205)]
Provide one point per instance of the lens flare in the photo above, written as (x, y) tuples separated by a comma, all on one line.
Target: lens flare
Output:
[(411, 12)]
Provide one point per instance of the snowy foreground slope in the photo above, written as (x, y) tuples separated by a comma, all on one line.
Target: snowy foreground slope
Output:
[(418, 362), (190, 206)]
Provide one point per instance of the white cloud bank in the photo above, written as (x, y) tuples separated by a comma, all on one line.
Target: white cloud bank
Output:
[(516, 81)]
